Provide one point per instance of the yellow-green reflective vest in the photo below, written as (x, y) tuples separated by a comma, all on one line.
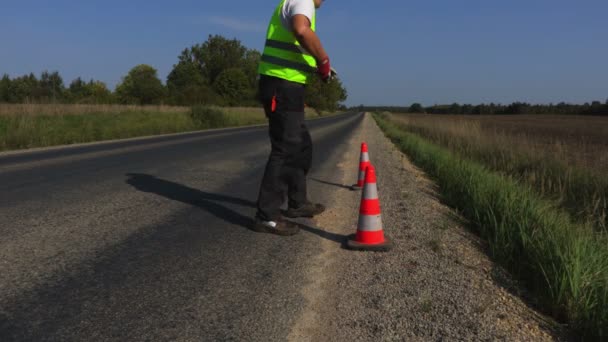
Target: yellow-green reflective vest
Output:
[(283, 56)]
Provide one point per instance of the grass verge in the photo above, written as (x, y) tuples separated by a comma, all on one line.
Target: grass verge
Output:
[(563, 263), (21, 131), (30, 125)]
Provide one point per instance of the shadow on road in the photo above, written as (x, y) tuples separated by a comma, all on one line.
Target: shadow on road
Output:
[(178, 192), (337, 238), (206, 201), (330, 183), (197, 198)]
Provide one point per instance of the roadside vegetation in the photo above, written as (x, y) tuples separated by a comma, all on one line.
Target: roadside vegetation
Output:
[(212, 85), (28, 126), (562, 158), (562, 260), (20, 131)]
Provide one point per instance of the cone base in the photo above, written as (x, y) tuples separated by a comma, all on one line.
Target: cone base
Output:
[(355, 187), (385, 246)]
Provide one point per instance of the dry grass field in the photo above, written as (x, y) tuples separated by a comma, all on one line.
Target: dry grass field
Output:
[(577, 140), (564, 157)]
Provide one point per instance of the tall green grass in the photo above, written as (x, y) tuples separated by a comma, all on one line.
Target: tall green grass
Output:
[(20, 131), (565, 264), (38, 125), (80, 109)]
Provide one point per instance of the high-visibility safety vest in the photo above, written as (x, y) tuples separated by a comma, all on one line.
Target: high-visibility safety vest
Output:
[(283, 55)]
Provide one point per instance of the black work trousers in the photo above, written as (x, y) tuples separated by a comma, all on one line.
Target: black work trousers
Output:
[(291, 147)]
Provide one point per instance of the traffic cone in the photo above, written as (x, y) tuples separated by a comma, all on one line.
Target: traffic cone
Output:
[(363, 164), (370, 236)]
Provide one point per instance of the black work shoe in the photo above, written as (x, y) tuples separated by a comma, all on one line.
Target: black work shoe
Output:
[(278, 227), (306, 210)]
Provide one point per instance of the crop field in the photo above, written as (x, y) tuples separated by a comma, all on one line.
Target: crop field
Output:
[(562, 157), (581, 141)]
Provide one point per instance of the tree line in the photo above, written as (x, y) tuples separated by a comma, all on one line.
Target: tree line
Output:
[(219, 71), (593, 108), (49, 88)]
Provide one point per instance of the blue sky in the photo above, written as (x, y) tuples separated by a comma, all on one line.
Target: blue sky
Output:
[(387, 52)]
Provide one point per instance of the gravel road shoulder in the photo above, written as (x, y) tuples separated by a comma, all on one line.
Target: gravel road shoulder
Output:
[(437, 283)]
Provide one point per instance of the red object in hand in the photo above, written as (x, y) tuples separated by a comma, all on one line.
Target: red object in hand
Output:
[(324, 69)]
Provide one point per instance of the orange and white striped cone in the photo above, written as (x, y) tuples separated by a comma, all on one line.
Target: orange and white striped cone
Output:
[(370, 236), (363, 164)]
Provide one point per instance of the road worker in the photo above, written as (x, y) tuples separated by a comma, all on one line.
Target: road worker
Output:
[(292, 56)]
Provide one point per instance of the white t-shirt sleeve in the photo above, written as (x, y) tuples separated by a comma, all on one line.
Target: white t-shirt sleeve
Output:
[(293, 7)]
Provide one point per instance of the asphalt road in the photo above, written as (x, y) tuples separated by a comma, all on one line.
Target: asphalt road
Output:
[(147, 239)]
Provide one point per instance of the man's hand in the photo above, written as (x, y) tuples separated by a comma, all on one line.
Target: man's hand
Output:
[(324, 69)]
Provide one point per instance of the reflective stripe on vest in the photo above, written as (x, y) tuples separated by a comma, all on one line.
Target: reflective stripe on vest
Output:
[(286, 46), (288, 64), (283, 56)]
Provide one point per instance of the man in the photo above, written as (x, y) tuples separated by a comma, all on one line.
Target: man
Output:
[(292, 56)]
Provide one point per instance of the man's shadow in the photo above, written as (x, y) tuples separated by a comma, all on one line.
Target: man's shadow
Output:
[(194, 197), (207, 201), (330, 183)]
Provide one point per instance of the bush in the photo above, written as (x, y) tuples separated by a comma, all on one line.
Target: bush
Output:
[(207, 117), (232, 85)]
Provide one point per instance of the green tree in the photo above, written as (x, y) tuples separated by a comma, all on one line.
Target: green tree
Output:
[(50, 87), (94, 92), (98, 92), (141, 86), (250, 66), (22, 88), (516, 108), (194, 79), (77, 90), (232, 85), (186, 84), (214, 56), (416, 108), (325, 96), (5, 86), (218, 54), (455, 108)]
